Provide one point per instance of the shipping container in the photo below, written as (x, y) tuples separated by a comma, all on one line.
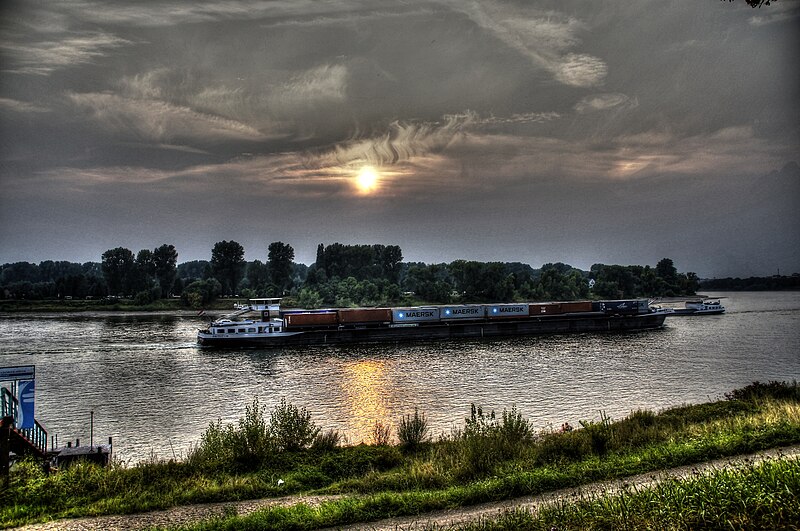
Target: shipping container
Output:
[(502, 311), (622, 307), (365, 315), (310, 319), (415, 315), (576, 306), (464, 311), (546, 308)]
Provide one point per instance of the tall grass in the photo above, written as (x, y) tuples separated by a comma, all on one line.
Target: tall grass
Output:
[(412, 431), (762, 496)]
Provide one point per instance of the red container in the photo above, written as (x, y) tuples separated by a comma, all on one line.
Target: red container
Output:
[(297, 320), (546, 308), (576, 306), (365, 315)]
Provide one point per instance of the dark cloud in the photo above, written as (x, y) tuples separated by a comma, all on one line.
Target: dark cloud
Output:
[(617, 133)]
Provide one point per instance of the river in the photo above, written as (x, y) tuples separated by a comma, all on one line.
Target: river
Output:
[(154, 391)]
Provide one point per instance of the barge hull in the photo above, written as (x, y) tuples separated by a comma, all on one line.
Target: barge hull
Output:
[(444, 331)]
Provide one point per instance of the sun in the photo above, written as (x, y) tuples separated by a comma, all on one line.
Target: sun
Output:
[(367, 180)]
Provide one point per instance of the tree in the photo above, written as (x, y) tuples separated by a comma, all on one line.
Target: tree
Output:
[(118, 265), (227, 265), (165, 260), (280, 258), (390, 257), (258, 277), (142, 277)]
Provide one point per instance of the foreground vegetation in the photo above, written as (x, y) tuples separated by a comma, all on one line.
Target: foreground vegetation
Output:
[(758, 496), (492, 457)]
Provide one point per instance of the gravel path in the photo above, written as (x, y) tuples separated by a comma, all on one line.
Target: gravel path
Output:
[(193, 513)]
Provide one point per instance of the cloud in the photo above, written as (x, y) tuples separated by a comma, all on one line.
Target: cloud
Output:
[(544, 40), (580, 70), (521, 118), (177, 12), (321, 84), (21, 106), (44, 57), (778, 12), (401, 142), (603, 102), (158, 120)]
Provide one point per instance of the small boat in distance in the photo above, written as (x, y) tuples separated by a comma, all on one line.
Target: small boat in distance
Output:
[(700, 307)]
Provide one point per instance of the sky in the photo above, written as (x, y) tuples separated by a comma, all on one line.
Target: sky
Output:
[(611, 132)]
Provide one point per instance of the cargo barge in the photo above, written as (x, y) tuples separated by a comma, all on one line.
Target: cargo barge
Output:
[(275, 328)]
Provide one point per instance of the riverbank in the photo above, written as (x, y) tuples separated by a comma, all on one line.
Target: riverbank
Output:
[(532, 512), (115, 306), (492, 458)]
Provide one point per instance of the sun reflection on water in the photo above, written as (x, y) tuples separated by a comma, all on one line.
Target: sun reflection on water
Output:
[(366, 395)]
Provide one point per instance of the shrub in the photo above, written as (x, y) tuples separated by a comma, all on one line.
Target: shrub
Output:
[(560, 447), (352, 461), (600, 434), (760, 391), (291, 427), (381, 434), (326, 441), (215, 450), (252, 440), (515, 429), (412, 431), (478, 424)]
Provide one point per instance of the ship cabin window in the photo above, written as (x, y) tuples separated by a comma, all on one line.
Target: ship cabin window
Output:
[(260, 329), (251, 330), (231, 330), (241, 330)]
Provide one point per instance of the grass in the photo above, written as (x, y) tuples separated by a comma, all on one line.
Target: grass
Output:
[(492, 458), (758, 496)]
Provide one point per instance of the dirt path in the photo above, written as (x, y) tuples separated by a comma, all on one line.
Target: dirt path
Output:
[(193, 513)]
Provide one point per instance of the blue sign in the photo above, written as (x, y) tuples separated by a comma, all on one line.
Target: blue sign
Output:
[(25, 413)]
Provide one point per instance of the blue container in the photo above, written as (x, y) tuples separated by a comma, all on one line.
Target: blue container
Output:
[(464, 311), (415, 315), (502, 311)]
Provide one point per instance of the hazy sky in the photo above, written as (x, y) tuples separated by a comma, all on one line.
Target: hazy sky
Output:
[(616, 132)]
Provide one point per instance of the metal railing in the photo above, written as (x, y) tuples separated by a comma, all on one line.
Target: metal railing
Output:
[(36, 436)]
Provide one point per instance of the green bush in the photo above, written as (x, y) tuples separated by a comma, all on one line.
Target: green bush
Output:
[(557, 447), (291, 427), (600, 434), (326, 441), (412, 431), (485, 441), (760, 391), (353, 461)]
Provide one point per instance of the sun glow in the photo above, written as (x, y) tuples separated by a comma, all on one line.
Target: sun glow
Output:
[(367, 180)]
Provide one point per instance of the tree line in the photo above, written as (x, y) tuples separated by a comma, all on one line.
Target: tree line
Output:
[(342, 275)]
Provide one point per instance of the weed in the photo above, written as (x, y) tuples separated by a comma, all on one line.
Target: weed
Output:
[(381, 434), (412, 431), (326, 441), (600, 434)]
